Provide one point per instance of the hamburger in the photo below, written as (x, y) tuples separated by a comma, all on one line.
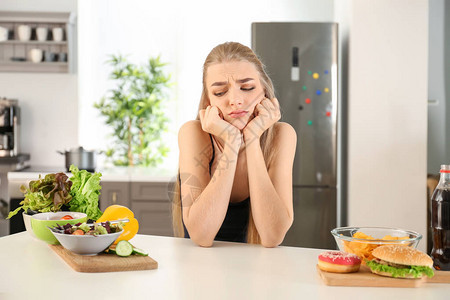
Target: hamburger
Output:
[(400, 261)]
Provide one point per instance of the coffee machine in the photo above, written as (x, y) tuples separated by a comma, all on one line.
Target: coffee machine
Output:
[(9, 127)]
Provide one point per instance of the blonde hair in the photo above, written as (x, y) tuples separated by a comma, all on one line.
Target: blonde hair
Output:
[(230, 52)]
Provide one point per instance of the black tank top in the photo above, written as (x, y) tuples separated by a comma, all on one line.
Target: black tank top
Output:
[(235, 224)]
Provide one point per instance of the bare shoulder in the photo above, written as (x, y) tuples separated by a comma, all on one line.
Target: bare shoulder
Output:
[(192, 140), (285, 144), (284, 132), (195, 151), (192, 130), (190, 127)]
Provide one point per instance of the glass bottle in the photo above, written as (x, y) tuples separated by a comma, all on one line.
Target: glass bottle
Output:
[(440, 221)]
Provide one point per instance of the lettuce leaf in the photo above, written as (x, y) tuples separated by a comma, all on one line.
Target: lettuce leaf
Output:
[(45, 194), (415, 271), (85, 192)]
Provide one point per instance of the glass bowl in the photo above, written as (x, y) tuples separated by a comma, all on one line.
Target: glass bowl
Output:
[(362, 240)]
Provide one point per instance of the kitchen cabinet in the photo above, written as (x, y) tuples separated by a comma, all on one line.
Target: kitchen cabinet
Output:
[(152, 207), (114, 193), (149, 202), (58, 56)]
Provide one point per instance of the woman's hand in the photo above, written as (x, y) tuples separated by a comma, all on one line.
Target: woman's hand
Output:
[(213, 123), (267, 113)]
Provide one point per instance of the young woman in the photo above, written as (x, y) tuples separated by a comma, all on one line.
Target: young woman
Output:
[(235, 175)]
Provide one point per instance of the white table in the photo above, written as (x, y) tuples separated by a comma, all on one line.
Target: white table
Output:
[(29, 269)]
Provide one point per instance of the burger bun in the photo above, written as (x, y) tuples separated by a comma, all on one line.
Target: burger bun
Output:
[(402, 255)]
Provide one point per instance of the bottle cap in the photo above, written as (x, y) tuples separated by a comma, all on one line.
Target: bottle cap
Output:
[(445, 168)]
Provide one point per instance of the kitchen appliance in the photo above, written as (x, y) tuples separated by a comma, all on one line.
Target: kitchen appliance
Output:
[(9, 127), (301, 60), (80, 158), (10, 158)]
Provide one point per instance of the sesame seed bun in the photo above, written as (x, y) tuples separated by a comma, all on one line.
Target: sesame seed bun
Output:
[(402, 255)]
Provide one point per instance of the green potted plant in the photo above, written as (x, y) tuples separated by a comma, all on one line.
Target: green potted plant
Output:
[(134, 109)]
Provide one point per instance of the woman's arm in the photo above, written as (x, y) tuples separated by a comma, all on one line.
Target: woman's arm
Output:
[(205, 198), (271, 190)]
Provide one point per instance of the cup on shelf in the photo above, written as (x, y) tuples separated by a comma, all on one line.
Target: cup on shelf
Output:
[(58, 34), (49, 56), (3, 34), (62, 56), (24, 32), (36, 55), (41, 34)]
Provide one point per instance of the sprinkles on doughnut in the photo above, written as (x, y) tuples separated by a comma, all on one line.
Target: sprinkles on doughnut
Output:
[(339, 262)]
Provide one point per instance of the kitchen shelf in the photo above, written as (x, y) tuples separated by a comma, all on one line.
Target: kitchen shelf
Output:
[(33, 17), (27, 66), (15, 48), (16, 42)]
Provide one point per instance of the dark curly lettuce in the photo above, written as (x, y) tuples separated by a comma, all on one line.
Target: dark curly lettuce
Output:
[(415, 271), (85, 192), (45, 194)]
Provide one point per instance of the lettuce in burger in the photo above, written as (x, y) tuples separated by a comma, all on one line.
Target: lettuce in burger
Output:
[(400, 261)]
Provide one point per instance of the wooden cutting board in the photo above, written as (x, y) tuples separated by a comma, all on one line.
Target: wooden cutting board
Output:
[(439, 277), (104, 262), (366, 278)]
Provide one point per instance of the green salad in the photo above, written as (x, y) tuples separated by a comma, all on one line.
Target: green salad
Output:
[(78, 193), (88, 229)]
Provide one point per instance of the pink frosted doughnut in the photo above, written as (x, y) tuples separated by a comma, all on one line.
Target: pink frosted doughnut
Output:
[(339, 262)]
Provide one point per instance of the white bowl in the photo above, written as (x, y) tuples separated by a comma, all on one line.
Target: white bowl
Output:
[(27, 222), (86, 244)]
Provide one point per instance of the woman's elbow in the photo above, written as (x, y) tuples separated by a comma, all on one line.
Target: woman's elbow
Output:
[(273, 240), (276, 238), (270, 244), (201, 240), (206, 243)]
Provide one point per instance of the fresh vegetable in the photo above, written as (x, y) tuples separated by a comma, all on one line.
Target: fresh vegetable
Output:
[(113, 250), (88, 229), (67, 217), (117, 212), (45, 194), (85, 192), (110, 250), (124, 248), (415, 271), (139, 251)]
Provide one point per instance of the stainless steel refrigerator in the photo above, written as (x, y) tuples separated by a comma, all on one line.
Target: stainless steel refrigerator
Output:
[(301, 59)]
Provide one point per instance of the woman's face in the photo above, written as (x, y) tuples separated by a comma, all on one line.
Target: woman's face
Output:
[(235, 88)]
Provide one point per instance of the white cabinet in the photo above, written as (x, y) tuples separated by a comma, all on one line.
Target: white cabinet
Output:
[(58, 55)]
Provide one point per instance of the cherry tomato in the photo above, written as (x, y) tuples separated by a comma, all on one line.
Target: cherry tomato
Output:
[(66, 217), (78, 232)]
